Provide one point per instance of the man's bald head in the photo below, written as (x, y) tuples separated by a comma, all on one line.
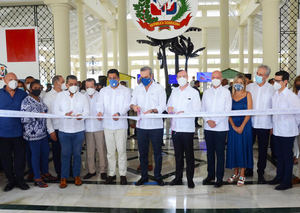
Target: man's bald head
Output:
[(10, 76), (217, 75)]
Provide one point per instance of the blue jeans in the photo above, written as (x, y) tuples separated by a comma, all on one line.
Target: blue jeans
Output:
[(144, 136), (71, 145), (39, 157)]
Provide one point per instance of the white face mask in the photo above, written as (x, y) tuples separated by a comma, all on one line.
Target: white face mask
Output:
[(182, 81), (73, 89), (64, 87), (216, 82), (28, 86), (13, 84), (90, 91), (277, 86)]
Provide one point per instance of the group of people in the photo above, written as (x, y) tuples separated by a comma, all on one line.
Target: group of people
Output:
[(107, 135)]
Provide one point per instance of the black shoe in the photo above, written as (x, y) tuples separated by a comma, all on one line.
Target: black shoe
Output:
[(261, 180), (275, 181), (218, 184), (110, 180), (191, 184), (176, 182), (207, 181), (89, 175), (103, 176), (141, 181), (160, 182), (123, 180), (249, 172), (9, 187), (23, 186), (282, 187)]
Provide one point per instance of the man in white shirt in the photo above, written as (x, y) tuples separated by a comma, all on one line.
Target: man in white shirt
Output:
[(94, 134), (184, 99), (114, 101), (262, 93), (53, 124), (149, 97), (215, 100), (285, 129), (71, 131)]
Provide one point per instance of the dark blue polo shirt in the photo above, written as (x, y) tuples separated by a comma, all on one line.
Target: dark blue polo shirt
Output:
[(11, 127)]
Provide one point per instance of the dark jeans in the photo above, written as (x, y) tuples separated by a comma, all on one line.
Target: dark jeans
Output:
[(144, 136), (39, 157), (12, 154), (284, 153), (263, 136), (28, 158), (215, 144), (56, 154), (71, 145), (183, 145)]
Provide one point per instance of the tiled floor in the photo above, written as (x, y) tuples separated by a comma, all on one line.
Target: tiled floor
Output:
[(94, 196)]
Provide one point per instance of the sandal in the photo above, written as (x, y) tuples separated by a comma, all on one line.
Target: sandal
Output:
[(48, 177), (241, 181), (233, 178), (40, 183)]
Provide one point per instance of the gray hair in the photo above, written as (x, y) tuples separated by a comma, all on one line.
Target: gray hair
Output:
[(147, 68), (71, 77), (91, 80), (266, 67), (55, 79)]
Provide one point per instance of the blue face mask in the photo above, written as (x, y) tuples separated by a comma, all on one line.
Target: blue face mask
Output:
[(238, 87), (21, 88), (258, 79), (146, 81), (113, 82)]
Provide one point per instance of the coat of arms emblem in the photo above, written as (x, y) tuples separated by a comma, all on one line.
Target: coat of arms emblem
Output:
[(163, 19), (3, 70)]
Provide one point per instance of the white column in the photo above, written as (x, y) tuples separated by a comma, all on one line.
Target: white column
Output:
[(115, 48), (104, 48), (158, 70), (81, 40), (270, 9), (224, 34), (61, 36), (250, 44), (241, 48), (204, 52), (122, 37), (150, 55)]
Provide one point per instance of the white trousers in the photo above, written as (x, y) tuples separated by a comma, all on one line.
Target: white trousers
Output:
[(116, 141)]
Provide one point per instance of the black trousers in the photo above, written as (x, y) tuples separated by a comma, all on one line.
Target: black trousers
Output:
[(284, 153), (263, 137), (215, 144), (183, 145), (56, 154), (12, 155)]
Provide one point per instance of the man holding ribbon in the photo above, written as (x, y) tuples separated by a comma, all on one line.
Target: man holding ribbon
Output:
[(113, 102), (148, 98), (184, 99)]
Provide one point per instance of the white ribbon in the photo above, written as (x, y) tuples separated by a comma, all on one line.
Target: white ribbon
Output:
[(22, 114)]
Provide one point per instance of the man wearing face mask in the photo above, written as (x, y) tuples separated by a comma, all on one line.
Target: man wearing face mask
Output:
[(184, 99), (262, 93), (12, 146), (149, 97), (73, 104), (94, 134), (58, 83), (285, 129), (216, 99), (114, 101), (28, 81)]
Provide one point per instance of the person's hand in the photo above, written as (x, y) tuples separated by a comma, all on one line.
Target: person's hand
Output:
[(148, 112), (170, 110), (180, 112), (136, 108), (78, 115), (116, 115), (211, 124), (53, 136), (271, 132), (239, 130), (100, 115), (69, 113)]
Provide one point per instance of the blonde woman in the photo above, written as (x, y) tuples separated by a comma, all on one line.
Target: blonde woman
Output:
[(239, 148)]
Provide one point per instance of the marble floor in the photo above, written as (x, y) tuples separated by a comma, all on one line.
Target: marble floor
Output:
[(94, 196)]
